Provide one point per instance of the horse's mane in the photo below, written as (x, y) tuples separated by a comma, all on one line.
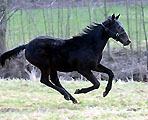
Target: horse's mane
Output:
[(89, 29)]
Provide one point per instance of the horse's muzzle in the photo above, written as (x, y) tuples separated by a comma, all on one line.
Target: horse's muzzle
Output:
[(127, 42)]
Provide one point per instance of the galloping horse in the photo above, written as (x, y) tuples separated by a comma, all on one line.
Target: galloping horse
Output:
[(81, 53)]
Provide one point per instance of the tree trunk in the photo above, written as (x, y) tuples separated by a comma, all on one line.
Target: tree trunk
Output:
[(3, 25), (68, 22), (108, 43), (128, 24), (144, 28)]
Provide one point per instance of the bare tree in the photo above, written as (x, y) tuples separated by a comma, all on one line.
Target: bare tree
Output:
[(61, 21), (68, 22), (143, 21), (136, 26), (45, 24), (105, 15), (89, 11), (22, 26), (51, 16), (3, 25), (137, 40), (128, 23)]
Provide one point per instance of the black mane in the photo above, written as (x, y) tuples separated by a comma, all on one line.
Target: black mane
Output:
[(88, 30)]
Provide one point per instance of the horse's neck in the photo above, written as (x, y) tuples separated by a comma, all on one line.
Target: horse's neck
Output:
[(100, 40), (96, 40)]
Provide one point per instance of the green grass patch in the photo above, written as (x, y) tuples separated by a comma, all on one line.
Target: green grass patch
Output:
[(20, 99)]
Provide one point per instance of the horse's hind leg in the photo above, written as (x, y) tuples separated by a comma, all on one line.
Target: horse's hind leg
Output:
[(101, 68), (89, 75), (45, 80), (54, 78)]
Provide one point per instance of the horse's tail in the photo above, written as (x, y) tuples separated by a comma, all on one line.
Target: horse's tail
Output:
[(11, 53)]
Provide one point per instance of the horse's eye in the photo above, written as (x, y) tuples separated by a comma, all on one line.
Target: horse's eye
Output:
[(118, 27)]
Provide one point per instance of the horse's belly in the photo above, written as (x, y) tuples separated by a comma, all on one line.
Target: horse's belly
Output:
[(63, 65), (65, 68)]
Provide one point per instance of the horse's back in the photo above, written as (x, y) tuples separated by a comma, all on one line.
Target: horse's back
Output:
[(47, 41), (39, 50)]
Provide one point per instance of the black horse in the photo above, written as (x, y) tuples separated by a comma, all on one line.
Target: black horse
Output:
[(81, 53)]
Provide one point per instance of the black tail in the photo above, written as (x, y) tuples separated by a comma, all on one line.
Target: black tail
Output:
[(11, 53)]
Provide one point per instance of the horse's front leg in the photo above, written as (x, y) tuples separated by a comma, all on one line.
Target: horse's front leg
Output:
[(89, 76), (101, 68)]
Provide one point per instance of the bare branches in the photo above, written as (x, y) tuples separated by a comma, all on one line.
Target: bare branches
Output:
[(8, 16), (12, 14), (2, 18), (52, 3)]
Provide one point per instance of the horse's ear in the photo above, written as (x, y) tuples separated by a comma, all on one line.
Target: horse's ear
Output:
[(113, 16), (117, 16)]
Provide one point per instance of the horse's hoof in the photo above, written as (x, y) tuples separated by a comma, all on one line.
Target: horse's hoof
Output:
[(77, 91), (75, 101), (105, 94), (67, 97)]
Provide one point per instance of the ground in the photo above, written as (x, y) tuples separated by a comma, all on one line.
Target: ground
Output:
[(30, 100)]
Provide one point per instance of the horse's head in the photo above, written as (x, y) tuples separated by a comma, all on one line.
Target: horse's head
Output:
[(115, 30)]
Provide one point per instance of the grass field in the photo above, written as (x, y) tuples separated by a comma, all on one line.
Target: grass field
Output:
[(26, 24), (30, 100)]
